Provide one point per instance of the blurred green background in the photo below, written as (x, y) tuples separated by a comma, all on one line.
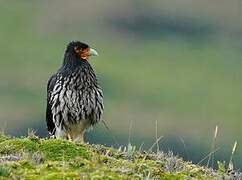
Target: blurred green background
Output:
[(175, 62)]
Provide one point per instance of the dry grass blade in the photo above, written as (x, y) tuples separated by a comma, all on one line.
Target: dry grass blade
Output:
[(213, 145), (232, 154), (157, 141), (140, 148), (130, 128), (185, 147), (3, 128), (156, 136), (199, 163), (109, 131)]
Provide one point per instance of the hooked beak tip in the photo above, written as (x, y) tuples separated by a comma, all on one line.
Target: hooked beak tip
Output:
[(93, 52)]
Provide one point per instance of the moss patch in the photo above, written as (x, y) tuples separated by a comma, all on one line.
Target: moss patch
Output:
[(61, 159), (3, 137), (12, 146), (54, 149), (4, 171)]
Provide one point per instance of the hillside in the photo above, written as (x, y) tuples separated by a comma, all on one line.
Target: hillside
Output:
[(31, 157), (177, 63)]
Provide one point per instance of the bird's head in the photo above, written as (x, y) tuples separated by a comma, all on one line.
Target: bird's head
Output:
[(80, 50)]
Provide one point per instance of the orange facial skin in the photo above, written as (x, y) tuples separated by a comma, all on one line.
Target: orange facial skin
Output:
[(83, 53)]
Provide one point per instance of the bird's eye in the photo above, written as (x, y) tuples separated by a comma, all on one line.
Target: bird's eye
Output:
[(77, 49)]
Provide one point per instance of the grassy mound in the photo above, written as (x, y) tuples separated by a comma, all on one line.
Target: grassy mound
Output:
[(32, 157)]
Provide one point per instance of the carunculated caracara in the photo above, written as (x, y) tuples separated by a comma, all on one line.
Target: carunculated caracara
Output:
[(74, 97)]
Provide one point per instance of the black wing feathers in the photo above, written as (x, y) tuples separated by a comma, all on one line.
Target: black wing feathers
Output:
[(49, 116)]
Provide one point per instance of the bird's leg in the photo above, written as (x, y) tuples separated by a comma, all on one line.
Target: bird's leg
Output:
[(69, 137), (80, 138)]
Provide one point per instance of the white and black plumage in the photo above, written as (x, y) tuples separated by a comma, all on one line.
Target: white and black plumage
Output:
[(74, 97)]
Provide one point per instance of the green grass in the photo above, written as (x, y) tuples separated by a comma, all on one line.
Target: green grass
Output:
[(55, 159)]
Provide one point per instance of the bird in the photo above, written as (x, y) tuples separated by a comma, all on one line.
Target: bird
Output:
[(74, 96)]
